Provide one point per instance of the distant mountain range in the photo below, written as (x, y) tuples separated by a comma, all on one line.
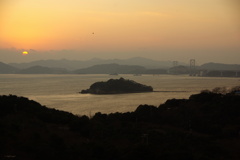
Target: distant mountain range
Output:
[(74, 64), (42, 70), (136, 65), (111, 69), (7, 69), (119, 69), (219, 66)]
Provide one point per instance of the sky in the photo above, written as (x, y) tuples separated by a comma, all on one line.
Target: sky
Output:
[(176, 30)]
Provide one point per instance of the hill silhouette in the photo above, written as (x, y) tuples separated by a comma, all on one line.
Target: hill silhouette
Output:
[(42, 70), (79, 64), (111, 68), (205, 126), (220, 66), (117, 86), (7, 69)]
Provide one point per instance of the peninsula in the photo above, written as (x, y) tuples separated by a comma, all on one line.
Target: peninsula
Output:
[(117, 86)]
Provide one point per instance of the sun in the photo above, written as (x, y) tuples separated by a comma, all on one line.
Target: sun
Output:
[(24, 53)]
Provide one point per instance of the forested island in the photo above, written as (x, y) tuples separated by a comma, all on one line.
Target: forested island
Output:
[(205, 126), (117, 86)]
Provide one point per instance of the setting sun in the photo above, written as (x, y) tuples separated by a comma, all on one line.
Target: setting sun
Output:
[(24, 53)]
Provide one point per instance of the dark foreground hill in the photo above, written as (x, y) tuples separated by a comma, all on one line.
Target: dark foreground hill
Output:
[(204, 127)]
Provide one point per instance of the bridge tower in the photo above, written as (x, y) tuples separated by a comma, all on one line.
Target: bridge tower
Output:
[(192, 67), (175, 63)]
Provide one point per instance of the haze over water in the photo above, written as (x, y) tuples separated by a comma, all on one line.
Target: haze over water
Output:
[(206, 30), (61, 91)]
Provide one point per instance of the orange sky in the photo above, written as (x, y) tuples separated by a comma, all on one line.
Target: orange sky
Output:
[(135, 27)]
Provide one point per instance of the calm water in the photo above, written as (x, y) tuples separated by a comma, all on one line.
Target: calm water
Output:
[(61, 91)]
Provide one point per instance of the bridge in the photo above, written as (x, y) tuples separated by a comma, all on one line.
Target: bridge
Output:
[(194, 71)]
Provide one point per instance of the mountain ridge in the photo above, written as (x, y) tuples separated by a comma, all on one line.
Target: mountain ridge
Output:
[(141, 65), (42, 70), (7, 69), (111, 69), (220, 66), (78, 64)]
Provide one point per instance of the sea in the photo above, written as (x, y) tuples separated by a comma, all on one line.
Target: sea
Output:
[(62, 91)]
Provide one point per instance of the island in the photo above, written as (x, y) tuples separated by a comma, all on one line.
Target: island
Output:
[(117, 86)]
